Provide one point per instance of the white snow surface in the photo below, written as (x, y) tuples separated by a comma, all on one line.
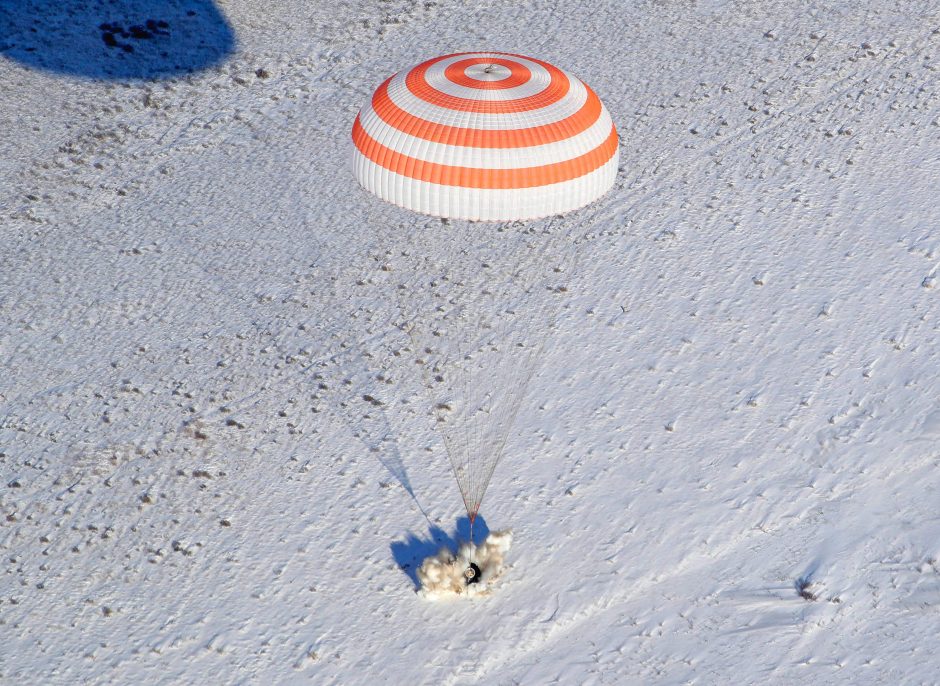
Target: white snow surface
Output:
[(724, 470)]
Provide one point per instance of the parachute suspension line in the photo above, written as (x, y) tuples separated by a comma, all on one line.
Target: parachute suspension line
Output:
[(453, 453), (450, 449), (488, 319), (528, 371), (521, 373), (464, 358), (512, 419), (472, 441), (519, 377)]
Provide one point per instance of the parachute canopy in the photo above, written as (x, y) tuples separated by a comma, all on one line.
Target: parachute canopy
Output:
[(485, 136)]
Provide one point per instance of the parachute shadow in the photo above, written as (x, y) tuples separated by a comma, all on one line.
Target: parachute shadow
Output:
[(395, 466), (374, 431), (410, 553), (381, 441), (480, 529), (115, 39)]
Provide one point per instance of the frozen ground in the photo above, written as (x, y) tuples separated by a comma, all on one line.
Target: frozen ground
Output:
[(725, 469)]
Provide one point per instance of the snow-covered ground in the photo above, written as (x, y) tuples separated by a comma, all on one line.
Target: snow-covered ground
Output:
[(724, 470)]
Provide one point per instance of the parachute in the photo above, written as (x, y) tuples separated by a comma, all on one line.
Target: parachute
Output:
[(483, 136)]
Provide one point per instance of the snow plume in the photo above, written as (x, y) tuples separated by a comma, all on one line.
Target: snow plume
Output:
[(442, 575)]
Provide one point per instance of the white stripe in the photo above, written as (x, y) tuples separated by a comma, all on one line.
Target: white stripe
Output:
[(573, 100), (538, 81), (485, 203), (486, 158), (488, 73)]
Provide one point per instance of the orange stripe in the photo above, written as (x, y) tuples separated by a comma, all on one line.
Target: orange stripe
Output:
[(417, 83), (469, 177), (518, 74), (399, 119)]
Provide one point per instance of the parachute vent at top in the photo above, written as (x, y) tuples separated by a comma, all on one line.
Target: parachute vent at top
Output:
[(485, 136)]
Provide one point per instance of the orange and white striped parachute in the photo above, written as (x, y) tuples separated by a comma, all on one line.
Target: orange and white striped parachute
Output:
[(485, 136)]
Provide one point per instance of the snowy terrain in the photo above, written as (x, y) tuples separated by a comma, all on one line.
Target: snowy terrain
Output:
[(726, 468)]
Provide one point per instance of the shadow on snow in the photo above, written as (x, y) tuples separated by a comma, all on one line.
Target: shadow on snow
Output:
[(115, 39), (410, 553)]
